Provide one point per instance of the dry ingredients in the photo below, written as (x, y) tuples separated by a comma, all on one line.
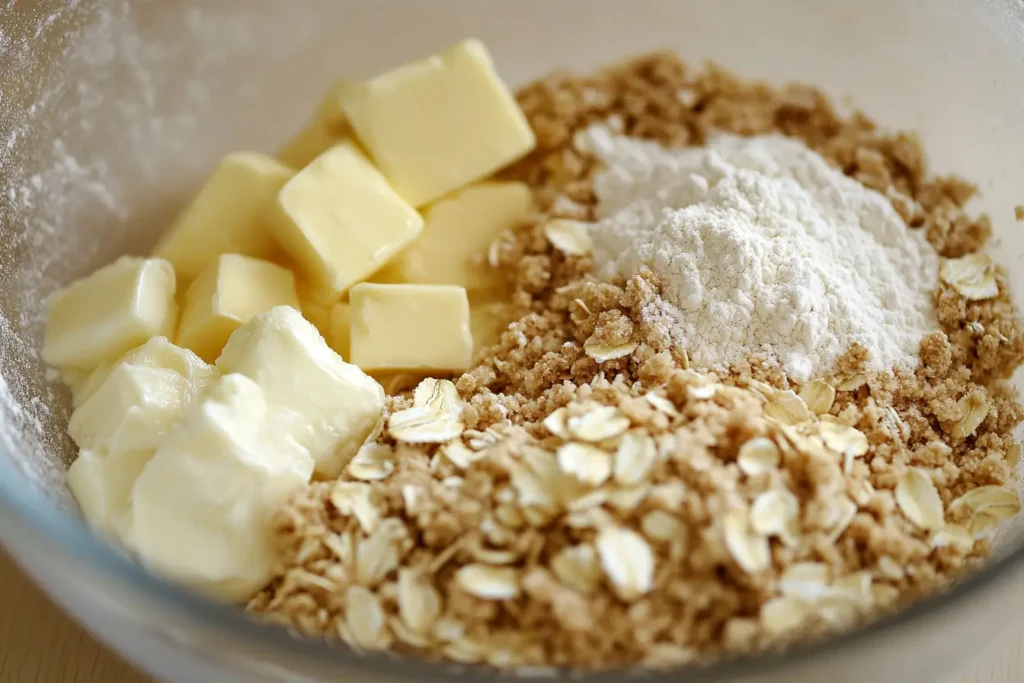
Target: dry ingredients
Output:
[(761, 246), (584, 498)]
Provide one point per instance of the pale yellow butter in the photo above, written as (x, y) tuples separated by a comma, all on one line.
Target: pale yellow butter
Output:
[(100, 317), (158, 352), (457, 232), (410, 327), (122, 419), (323, 403), (202, 507), (228, 216), (340, 221), (438, 124), (228, 294), (341, 324), (316, 305), (328, 127)]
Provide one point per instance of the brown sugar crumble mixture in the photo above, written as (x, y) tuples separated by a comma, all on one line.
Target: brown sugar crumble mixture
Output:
[(583, 498)]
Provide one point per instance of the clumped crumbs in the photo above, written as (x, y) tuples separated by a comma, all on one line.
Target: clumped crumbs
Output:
[(583, 498)]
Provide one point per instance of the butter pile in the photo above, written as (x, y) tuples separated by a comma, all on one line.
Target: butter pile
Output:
[(214, 378)]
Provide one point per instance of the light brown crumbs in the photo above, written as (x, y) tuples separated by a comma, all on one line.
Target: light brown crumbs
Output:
[(1018, 212), (583, 498)]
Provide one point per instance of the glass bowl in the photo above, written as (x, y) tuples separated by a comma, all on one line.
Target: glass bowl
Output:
[(111, 112)]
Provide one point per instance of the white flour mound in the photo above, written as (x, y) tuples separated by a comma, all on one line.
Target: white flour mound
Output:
[(761, 246)]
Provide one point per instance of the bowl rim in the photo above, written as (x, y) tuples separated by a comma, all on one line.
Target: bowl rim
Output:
[(69, 533)]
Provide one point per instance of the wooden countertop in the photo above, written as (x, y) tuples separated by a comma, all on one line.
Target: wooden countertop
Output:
[(39, 644)]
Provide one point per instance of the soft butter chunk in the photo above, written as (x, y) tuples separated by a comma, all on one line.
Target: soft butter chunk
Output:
[(119, 424), (158, 352), (457, 232), (438, 124), (410, 327), (323, 403), (228, 294), (328, 127), (228, 216), (201, 508), (341, 324), (98, 318), (340, 221)]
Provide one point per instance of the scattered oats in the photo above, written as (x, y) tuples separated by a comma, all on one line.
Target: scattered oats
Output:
[(807, 581), (668, 656), (662, 404), (459, 455), (365, 618), (556, 423), (748, 547), (597, 424), (626, 499), (766, 390), (841, 513), (589, 464), (376, 557), (918, 498), (788, 408), (374, 461), (353, 498), (973, 275), (419, 604), (1013, 455), (819, 396), (439, 395), (702, 392), (634, 457), (627, 560), (569, 237), (661, 527), (998, 501), (852, 383), (890, 568), (681, 357), (844, 440), (423, 424), (973, 409), (489, 583), (777, 513), (758, 455), (577, 567), (780, 616), (602, 353)]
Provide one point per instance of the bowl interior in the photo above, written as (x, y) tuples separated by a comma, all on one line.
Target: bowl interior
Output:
[(115, 111)]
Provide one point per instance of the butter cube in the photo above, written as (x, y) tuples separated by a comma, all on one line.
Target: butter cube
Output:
[(316, 305), (457, 232), (341, 324), (158, 352), (410, 327), (101, 316), (315, 398), (228, 216), (133, 408), (202, 506), (101, 483), (341, 221), (119, 424), (328, 127), (438, 124), (227, 295)]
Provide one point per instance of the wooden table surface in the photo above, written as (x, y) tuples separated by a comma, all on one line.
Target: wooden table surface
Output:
[(41, 645)]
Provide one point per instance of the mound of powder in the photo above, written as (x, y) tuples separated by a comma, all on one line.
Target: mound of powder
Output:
[(761, 246)]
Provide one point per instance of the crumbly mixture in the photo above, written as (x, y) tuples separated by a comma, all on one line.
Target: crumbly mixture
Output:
[(586, 499)]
